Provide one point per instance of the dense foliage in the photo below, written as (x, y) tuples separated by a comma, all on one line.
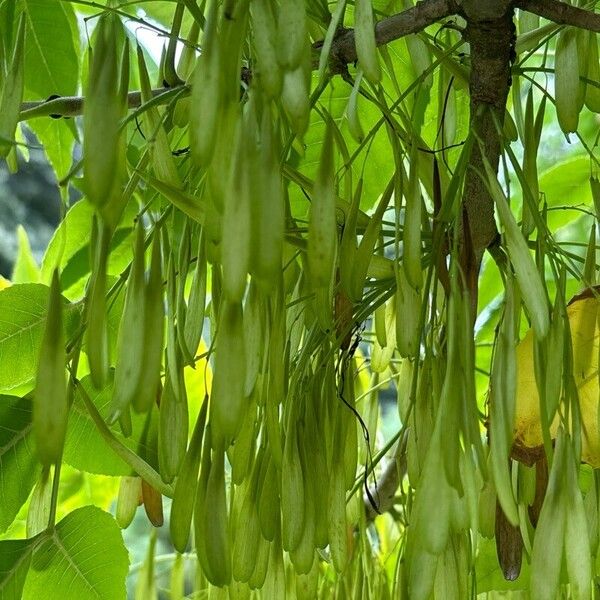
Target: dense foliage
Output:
[(288, 218)]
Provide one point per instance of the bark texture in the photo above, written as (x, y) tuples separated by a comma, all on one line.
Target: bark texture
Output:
[(492, 52)]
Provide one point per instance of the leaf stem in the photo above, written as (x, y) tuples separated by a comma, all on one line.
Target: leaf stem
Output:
[(141, 467)]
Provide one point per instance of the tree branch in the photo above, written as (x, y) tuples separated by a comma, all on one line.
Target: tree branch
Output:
[(343, 52), (72, 106), (388, 482), (412, 20), (562, 13)]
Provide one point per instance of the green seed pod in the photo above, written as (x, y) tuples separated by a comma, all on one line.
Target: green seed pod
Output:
[(130, 345), (130, 495), (227, 402), (366, 47), (322, 228), (102, 113), (11, 92), (186, 486), (50, 402)]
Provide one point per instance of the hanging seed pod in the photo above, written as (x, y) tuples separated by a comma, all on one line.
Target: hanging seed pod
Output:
[(348, 242), (322, 229), (216, 522), (420, 57), (112, 210), (97, 333), (303, 556), (550, 531), (254, 336), (201, 507), (38, 513), (354, 124), (382, 355), (408, 309), (292, 36), (292, 493), (566, 80), (227, 401), (577, 543), (130, 344), (364, 253), (235, 246), (173, 431), (50, 402), (528, 277), (11, 92), (153, 332), (206, 92), (592, 91), (509, 545), (411, 259), (268, 499), (366, 46), (129, 498), (502, 406), (102, 112), (263, 552), (267, 69), (186, 486), (338, 528), (242, 456), (153, 505), (295, 98), (247, 531), (268, 207), (194, 318), (163, 163)]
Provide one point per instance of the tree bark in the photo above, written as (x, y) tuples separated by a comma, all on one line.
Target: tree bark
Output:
[(492, 52)]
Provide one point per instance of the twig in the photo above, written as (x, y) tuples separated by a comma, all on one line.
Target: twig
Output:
[(343, 51), (562, 13), (388, 482), (71, 106), (410, 21)]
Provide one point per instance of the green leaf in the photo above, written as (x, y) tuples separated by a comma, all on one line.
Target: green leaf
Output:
[(566, 183), (374, 165), (84, 557), (23, 310), (19, 464), (69, 248), (52, 56), (25, 269), (72, 234), (15, 558), (489, 576), (85, 449), (57, 139)]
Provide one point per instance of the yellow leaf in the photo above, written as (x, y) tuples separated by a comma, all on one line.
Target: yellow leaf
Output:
[(583, 322), (4, 283), (198, 381)]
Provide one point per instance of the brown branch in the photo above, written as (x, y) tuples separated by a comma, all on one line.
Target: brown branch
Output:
[(562, 13), (491, 44), (413, 20), (343, 51)]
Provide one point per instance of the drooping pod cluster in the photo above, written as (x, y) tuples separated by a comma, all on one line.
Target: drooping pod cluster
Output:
[(251, 289)]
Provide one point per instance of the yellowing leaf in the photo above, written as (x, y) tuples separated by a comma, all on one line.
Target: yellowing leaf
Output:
[(198, 382), (583, 322)]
